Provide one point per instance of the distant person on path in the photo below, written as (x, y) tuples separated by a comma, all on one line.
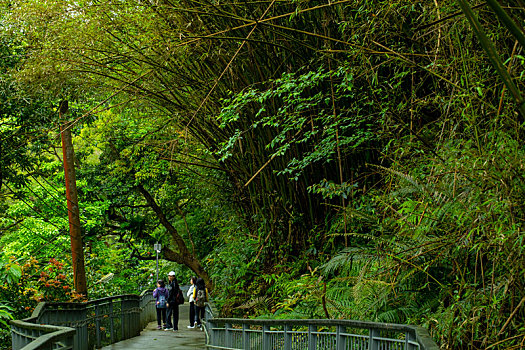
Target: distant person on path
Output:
[(191, 299), (174, 300), (200, 294), (161, 300)]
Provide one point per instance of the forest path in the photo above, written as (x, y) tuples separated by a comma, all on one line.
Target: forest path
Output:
[(153, 339)]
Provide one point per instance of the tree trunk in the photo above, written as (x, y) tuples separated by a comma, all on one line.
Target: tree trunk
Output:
[(77, 248), (181, 253)]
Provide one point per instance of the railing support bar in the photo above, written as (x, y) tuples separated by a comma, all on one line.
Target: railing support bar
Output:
[(409, 336), (312, 343), (287, 337), (340, 339), (97, 326), (228, 334), (111, 323), (373, 344), (266, 338), (245, 337), (211, 331)]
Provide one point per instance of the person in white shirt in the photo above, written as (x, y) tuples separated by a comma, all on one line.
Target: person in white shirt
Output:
[(192, 302)]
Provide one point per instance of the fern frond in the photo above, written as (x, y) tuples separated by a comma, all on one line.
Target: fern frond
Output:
[(360, 214), (260, 303), (352, 234), (408, 178), (350, 260)]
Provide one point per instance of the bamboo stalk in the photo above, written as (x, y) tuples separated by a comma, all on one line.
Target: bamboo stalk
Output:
[(493, 56), (507, 21)]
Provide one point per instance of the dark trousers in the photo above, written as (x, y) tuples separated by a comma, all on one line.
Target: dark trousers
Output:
[(192, 313), (199, 311), (161, 316), (173, 312)]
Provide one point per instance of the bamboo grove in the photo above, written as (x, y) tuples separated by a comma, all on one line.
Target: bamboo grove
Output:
[(370, 151)]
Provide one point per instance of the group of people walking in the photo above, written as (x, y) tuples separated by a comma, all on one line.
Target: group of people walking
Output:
[(168, 298)]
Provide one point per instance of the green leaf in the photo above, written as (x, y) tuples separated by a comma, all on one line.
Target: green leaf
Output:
[(493, 55)]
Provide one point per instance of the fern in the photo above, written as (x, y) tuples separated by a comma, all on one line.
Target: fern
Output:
[(417, 186), (350, 260), (258, 305)]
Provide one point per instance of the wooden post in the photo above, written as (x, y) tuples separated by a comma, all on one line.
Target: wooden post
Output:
[(77, 249), (228, 335), (287, 337), (246, 337), (340, 339), (312, 337)]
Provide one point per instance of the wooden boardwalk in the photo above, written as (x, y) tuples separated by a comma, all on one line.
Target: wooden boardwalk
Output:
[(153, 339)]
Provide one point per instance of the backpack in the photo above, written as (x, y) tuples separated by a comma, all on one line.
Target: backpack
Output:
[(180, 298), (200, 299), (162, 302)]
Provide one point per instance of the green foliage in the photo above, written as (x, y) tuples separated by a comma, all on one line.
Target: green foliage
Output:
[(5, 315), (402, 143), (305, 116), (438, 260), (5, 334), (11, 272), (24, 120), (428, 241), (299, 297), (233, 267)]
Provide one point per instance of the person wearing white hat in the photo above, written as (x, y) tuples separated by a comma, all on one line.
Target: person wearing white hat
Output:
[(173, 303)]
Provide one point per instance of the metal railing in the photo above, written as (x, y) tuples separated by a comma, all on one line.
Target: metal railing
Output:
[(249, 334), (83, 326)]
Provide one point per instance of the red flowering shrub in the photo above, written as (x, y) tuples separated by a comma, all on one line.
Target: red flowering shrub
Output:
[(37, 282)]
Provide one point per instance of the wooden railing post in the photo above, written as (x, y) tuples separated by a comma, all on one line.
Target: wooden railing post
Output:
[(373, 344), (245, 337), (340, 339), (125, 321), (81, 336), (312, 338), (410, 336), (210, 327), (111, 322), (97, 326), (266, 337), (227, 335), (287, 337)]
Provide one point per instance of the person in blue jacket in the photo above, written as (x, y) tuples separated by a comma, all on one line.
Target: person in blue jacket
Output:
[(161, 300)]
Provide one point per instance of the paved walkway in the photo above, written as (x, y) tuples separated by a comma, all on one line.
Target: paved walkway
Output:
[(153, 339)]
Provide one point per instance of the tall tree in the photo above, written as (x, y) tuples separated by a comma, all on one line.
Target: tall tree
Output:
[(75, 232)]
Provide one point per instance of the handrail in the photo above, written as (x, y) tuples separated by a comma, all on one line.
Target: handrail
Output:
[(45, 336), (244, 334), (112, 319), (82, 326)]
